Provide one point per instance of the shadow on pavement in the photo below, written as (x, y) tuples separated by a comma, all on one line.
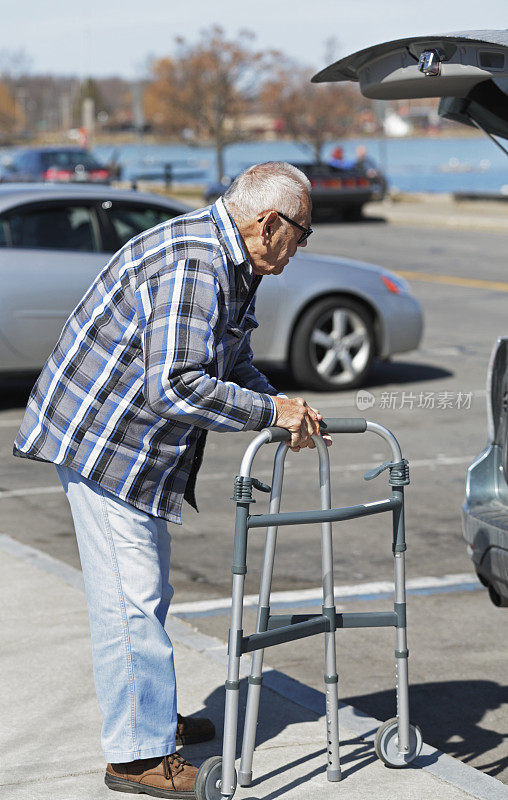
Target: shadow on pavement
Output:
[(360, 757), (382, 373), (450, 714), (287, 768), (275, 715), (403, 372), (270, 724), (15, 389)]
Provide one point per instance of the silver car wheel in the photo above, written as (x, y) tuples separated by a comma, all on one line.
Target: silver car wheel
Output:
[(333, 344), (340, 346)]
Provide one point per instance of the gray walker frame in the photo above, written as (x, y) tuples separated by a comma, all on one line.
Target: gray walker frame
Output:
[(398, 743)]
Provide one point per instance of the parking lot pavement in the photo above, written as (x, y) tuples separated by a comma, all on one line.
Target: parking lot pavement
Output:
[(440, 211), (457, 641)]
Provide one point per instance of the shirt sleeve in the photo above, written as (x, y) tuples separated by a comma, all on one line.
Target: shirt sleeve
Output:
[(244, 372), (178, 311)]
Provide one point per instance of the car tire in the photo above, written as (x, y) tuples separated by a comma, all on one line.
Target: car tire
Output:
[(352, 213), (333, 345)]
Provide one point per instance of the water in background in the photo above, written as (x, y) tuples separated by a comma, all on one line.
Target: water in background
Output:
[(412, 165), (423, 164)]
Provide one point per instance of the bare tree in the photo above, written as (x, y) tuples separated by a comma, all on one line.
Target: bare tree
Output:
[(313, 114), (207, 88), (14, 68), (10, 114)]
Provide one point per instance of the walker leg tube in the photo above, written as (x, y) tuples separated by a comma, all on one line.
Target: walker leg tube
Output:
[(251, 714), (251, 719), (234, 652), (332, 709), (333, 772), (401, 652)]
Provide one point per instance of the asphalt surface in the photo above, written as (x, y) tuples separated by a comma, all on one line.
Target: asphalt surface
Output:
[(457, 639)]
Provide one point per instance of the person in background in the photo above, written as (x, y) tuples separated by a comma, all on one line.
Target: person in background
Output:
[(338, 160), (366, 165)]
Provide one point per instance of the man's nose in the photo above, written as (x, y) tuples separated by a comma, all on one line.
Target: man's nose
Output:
[(303, 244)]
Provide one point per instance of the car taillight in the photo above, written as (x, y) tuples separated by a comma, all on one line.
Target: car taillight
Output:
[(326, 183), (363, 182), (55, 174), (99, 174)]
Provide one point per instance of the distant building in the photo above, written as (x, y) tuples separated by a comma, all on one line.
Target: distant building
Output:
[(256, 124), (394, 125)]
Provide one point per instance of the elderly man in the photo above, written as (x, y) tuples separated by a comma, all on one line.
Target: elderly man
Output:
[(157, 353)]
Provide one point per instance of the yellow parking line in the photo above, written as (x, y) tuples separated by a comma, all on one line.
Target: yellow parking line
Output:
[(451, 280)]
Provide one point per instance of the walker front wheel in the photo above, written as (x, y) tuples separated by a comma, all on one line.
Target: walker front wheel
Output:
[(387, 740), (209, 780)]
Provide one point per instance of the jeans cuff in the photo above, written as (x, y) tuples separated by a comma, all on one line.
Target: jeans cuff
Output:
[(125, 756)]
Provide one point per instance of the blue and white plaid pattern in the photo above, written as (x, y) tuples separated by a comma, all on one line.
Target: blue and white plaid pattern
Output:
[(151, 355)]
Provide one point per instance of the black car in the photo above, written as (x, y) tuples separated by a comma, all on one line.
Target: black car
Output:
[(338, 192), (54, 164)]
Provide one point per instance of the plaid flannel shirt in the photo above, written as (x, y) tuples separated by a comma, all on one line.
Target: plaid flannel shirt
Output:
[(152, 355)]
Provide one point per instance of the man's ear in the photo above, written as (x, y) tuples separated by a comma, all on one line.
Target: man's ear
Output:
[(268, 221)]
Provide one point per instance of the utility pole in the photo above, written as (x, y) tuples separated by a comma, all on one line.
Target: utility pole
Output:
[(138, 116), (88, 117), (65, 111), (21, 104)]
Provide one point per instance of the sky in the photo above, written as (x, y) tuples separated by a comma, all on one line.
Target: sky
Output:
[(118, 37)]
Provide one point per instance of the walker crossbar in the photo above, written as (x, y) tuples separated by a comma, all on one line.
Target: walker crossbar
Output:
[(397, 742), (289, 627), (331, 515)]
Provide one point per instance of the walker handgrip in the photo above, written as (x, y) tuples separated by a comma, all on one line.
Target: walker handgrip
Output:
[(328, 425), (345, 424), (278, 434)]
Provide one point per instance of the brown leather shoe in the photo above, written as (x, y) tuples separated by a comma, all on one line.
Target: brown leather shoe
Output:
[(190, 730), (171, 776)]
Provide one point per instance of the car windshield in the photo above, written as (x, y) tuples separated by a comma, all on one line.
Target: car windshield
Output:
[(69, 159)]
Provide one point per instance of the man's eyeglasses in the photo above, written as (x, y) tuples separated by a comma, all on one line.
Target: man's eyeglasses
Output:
[(306, 232)]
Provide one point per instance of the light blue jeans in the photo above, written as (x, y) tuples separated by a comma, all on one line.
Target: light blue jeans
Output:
[(125, 555)]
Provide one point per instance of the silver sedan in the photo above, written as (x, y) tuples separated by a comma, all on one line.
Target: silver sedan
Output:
[(326, 318)]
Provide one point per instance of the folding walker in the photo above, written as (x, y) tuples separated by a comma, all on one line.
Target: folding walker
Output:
[(397, 742)]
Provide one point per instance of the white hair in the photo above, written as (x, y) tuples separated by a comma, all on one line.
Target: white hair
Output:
[(274, 184)]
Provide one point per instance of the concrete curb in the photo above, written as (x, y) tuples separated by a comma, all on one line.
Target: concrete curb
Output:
[(433, 761)]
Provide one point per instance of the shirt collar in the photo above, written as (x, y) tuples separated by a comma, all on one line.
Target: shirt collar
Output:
[(230, 233)]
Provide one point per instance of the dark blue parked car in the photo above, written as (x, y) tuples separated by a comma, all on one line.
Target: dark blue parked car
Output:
[(54, 164)]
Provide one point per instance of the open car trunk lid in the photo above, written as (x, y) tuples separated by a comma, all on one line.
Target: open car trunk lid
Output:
[(467, 69)]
